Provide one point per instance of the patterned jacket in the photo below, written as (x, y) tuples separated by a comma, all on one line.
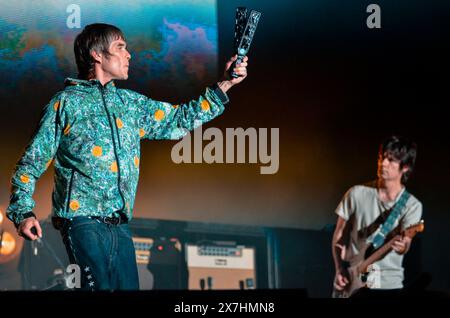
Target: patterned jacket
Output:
[(92, 133)]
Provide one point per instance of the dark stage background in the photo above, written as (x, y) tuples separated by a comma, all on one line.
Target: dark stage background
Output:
[(332, 86)]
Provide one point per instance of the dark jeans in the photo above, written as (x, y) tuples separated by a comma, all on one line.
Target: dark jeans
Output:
[(104, 252)]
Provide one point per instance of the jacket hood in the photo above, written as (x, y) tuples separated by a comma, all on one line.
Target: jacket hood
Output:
[(80, 84)]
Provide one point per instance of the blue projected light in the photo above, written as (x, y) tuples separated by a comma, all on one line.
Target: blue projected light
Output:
[(172, 42)]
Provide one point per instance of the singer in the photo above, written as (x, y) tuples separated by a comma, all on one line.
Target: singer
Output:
[(92, 131)]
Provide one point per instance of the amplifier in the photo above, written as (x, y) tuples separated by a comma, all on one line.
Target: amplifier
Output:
[(142, 246), (159, 263), (220, 266)]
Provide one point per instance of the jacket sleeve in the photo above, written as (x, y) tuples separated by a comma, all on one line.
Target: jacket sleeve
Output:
[(36, 158), (161, 120)]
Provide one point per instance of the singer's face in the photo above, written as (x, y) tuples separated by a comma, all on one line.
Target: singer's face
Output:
[(116, 64)]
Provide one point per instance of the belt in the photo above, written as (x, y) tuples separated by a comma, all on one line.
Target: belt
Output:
[(114, 220), (59, 222)]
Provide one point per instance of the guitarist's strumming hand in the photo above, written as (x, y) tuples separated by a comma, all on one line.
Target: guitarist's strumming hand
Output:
[(401, 244), (341, 279)]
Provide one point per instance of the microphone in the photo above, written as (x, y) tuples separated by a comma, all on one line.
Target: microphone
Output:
[(34, 231)]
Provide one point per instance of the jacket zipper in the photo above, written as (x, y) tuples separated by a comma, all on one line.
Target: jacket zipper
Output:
[(114, 147), (70, 190)]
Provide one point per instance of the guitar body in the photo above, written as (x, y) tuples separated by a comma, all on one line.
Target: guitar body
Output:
[(355, 278), (357, 271)]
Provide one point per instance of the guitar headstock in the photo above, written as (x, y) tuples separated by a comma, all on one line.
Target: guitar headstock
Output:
[(414, 229)]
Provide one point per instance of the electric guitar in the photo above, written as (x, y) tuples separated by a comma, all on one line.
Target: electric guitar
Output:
[(358, 268)]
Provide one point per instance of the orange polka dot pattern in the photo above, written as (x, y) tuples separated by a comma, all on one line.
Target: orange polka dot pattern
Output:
[(97, 151), (113, 167), (159, 115), (74, 205), (93, 137)]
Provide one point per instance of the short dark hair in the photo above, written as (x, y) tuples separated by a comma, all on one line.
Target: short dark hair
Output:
[(94, 37), (403, 150)]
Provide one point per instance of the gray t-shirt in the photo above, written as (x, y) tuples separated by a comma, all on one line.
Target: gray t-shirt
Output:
[(361, 207)]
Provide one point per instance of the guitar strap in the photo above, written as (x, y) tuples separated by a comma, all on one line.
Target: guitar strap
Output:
[(380, 234)]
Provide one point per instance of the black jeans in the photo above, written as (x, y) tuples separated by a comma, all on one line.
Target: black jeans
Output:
[(104, 252)]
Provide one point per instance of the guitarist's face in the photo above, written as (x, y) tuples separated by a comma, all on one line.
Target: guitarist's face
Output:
[(389, 168)]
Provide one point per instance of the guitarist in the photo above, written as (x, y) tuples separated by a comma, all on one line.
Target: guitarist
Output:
[(365, 208)]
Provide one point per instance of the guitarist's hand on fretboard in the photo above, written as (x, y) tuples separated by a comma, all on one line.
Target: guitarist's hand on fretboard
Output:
[(401, 244)]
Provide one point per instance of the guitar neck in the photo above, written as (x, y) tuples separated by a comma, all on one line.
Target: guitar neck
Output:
[(387, 247), (377, 255)]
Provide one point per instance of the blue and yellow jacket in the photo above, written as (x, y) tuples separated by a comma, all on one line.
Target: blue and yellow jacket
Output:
[(92, 133)]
